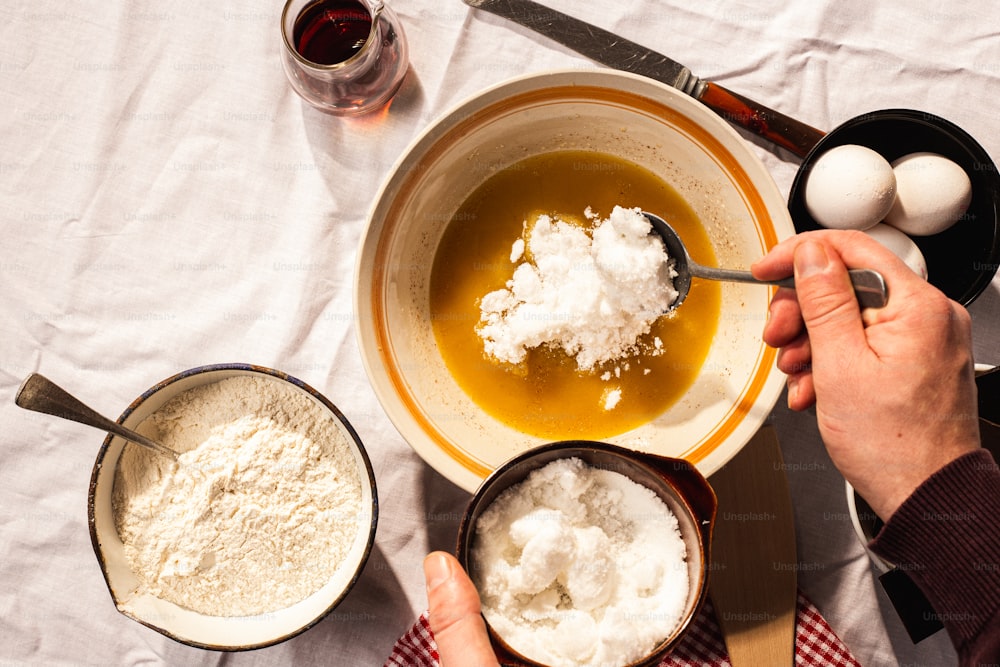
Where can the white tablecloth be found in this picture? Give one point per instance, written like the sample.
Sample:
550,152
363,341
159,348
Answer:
166,201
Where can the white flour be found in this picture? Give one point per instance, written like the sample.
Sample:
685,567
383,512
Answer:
259,512
591,294
579,566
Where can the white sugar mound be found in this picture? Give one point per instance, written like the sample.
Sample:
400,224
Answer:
580,567
591,294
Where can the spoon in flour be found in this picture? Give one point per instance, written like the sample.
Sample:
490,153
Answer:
42,395
869,286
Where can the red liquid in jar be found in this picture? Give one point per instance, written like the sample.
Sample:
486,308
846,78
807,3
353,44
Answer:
328,32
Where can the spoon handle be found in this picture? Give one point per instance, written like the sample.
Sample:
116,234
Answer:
40,394
869,286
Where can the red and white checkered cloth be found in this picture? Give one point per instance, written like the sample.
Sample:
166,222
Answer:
816,645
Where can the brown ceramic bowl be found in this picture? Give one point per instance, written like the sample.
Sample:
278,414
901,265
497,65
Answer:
678,483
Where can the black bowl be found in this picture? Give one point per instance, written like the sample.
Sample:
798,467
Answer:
962,260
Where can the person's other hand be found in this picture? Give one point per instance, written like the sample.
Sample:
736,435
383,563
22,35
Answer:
454,614
893,388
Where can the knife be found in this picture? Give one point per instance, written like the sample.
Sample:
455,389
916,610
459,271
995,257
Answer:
619,53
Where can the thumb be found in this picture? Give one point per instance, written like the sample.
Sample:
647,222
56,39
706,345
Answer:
826,298
454,616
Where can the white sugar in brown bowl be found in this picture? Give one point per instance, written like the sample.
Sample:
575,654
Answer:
589,554
629,118
260,528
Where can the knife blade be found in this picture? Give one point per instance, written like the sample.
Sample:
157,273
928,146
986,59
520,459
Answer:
619,53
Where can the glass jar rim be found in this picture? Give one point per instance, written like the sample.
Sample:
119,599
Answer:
374,11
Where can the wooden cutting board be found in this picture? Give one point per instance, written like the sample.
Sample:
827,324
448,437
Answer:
753,581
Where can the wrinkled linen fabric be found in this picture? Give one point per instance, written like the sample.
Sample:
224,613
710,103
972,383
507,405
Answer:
166,201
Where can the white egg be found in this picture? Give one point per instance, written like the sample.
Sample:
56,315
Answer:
932,193
849,187
902,246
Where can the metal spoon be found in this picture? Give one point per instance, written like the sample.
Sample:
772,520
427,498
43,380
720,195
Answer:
869,286
42,395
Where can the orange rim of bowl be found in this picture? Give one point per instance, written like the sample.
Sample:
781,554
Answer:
535,98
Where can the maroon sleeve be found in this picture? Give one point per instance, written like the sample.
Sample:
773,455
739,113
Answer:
947,537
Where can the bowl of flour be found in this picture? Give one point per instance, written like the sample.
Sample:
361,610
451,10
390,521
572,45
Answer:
586,554
259,529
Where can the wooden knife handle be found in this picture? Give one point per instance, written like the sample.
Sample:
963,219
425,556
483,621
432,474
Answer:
786,132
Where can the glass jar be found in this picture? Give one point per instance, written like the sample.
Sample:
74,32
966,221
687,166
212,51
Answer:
344,57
